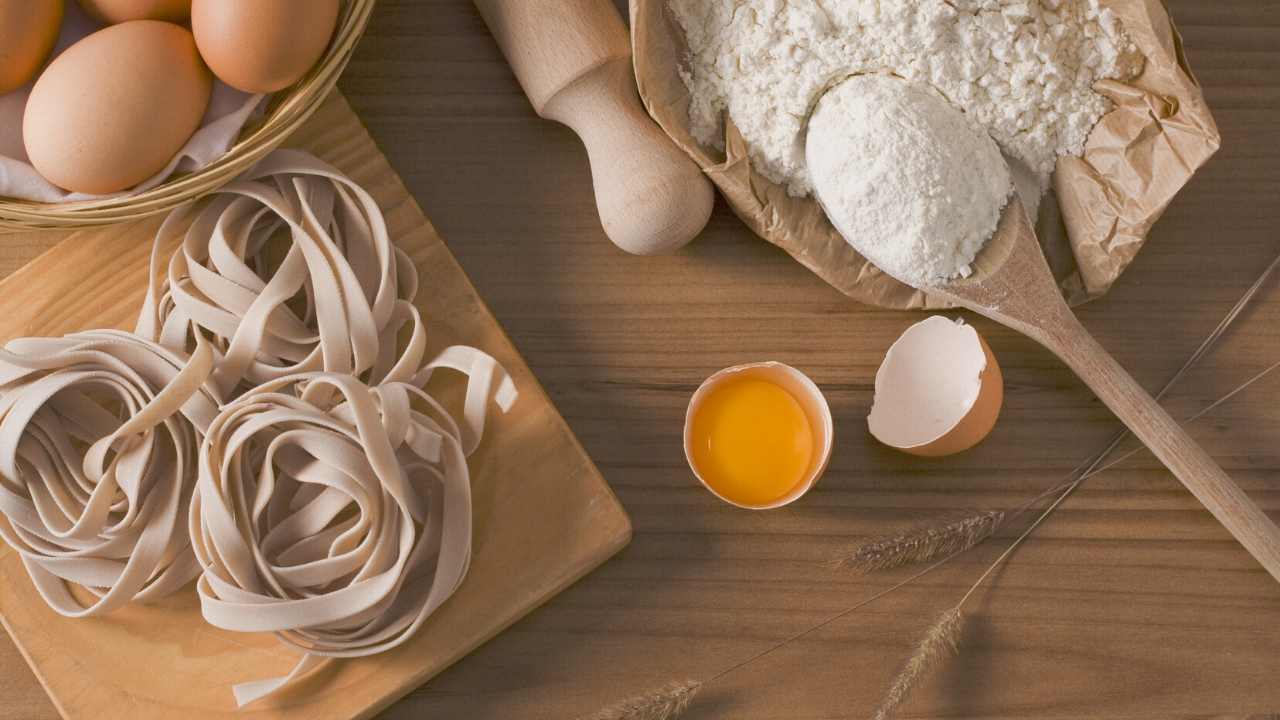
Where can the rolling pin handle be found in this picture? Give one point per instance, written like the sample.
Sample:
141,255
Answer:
651,197
573,60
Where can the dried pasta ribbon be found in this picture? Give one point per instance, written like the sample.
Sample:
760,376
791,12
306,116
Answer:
99,437
335,514
335,300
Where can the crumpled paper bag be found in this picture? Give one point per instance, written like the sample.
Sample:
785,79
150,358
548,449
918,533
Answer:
229,111
1091,227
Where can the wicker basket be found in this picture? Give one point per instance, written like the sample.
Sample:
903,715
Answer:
288,110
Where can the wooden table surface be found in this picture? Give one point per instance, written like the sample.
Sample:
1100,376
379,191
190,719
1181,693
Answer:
1131,602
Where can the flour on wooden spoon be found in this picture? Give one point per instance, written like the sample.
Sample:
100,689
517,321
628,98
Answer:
912,183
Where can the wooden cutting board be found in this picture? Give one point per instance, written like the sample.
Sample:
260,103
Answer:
544,517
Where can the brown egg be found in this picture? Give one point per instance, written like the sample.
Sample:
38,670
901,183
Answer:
262,46
28,29
118,11
113,109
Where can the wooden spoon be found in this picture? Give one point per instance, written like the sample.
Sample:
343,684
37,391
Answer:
1012,285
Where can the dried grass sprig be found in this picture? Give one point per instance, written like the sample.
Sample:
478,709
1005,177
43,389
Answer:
940,641
944,536
945,632
665,703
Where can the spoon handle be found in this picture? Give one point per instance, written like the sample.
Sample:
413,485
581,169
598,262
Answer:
1167,440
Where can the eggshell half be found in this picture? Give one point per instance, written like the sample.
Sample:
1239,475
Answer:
118,11
113,109
938,391
28,30
261,46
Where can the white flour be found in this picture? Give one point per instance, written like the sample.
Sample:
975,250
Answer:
1022,69
907,179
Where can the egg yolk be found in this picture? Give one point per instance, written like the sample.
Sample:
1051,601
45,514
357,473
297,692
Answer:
751,441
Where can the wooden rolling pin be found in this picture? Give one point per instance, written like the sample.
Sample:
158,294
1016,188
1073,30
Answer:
573,59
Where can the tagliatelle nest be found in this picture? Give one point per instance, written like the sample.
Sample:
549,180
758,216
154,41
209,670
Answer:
329,503
99,433
335,514
334,300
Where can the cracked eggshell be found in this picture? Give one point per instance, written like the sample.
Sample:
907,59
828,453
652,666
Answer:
938,391
805,392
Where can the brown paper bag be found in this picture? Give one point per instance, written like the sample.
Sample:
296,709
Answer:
1104,203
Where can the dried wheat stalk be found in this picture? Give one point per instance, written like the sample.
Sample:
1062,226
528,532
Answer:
945,536
665,703
940,641
945,633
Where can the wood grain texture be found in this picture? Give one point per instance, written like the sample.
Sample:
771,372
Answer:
542,515
1132,602
1011,284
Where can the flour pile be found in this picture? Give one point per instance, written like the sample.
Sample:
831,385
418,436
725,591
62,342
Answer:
911,182
1022,69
